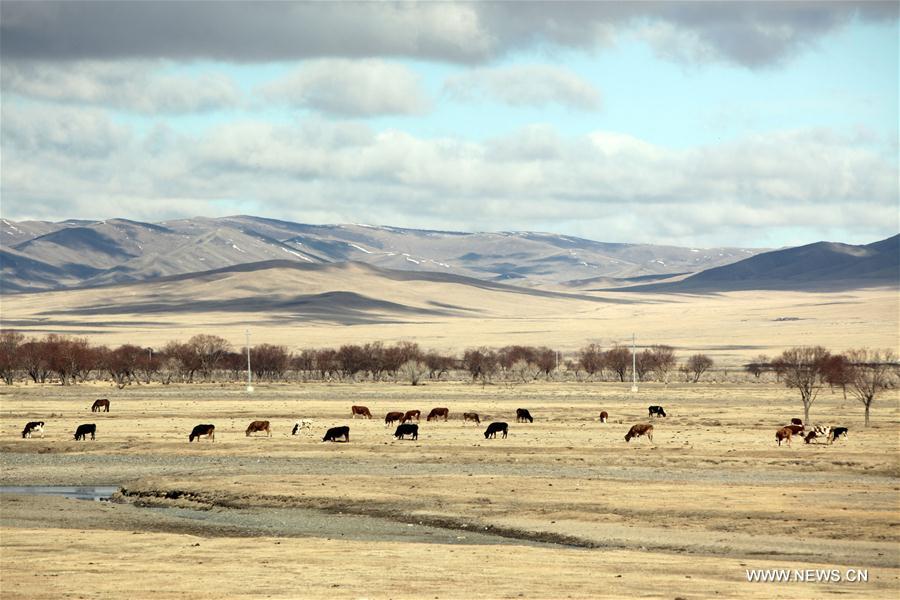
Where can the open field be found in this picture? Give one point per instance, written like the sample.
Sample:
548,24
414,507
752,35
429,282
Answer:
562,508
354,304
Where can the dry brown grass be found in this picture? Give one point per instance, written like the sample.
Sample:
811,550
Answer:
571,508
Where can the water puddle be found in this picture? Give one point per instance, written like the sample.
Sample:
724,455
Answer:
78,492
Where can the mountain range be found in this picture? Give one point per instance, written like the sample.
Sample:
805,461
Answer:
38,255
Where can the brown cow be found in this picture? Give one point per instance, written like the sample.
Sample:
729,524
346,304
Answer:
362,411
639,430
412,414
438,412
470,416
258,426
392,417
100,403
795,429
604,416
783,435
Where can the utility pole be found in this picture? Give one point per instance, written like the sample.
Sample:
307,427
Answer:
634,386
249,372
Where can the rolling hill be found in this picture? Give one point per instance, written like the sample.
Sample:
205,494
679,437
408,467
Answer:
822,266
120,250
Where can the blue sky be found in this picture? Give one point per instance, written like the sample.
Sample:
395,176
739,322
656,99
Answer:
692,124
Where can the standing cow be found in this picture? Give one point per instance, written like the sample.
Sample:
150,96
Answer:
437,413
404,429
256,426
360,411
84,430
522,415
641,429
100,404
334,433
495,428
204,429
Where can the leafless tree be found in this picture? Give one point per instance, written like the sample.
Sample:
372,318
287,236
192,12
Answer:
836,372
757,366
697,365
870,371
545,360
481,363
268,361
413,371
618,360
438,364
9,354
33,358
591,359
802,368
663,361
209,350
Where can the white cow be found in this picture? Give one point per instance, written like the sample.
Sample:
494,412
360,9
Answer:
302,425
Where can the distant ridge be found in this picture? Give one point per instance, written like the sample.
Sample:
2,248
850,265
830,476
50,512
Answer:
822,266
121,250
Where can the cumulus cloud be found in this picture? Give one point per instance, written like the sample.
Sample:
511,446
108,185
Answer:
525,85
361,88
752,34
132,86
601,185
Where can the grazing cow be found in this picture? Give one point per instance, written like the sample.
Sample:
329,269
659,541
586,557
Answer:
404,429
639,430
837,432
361,411
523,415
657,411
33,427
795,429
784,435
819,431
258,426
100,404
208,430
83,430
302,424
471,417
410,415
392,417
438,412
335,432
604,416
494,428
796,421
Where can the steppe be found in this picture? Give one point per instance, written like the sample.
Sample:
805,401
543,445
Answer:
562,508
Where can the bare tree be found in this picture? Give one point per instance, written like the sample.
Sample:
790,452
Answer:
697,365
412,371
870,371
618,360
268,361
757,366
209,350
9,354
802,368
545,360
836,372
438,364
481,363
523,371
663,361
591,359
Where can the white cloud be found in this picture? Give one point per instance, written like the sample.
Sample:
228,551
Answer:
525,85
602,185
132,86
361,88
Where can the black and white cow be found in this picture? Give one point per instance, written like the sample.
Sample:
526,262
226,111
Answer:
33,427
838,432
819,431
302,425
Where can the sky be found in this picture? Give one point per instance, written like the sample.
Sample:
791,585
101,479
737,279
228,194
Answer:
760,124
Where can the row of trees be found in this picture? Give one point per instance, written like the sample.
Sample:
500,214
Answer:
72,359
861,372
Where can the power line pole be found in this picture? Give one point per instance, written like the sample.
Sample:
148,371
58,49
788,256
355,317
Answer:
249,372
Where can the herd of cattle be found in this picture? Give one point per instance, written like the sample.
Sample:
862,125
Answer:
407,428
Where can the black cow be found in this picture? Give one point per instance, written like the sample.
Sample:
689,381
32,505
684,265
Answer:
83,430
204,429
495,427
410,429
838,432
335,432
657,411
523,415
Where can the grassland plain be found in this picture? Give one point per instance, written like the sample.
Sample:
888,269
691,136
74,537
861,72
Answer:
562,508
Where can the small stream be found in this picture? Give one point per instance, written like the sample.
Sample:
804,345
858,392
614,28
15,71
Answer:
78,492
